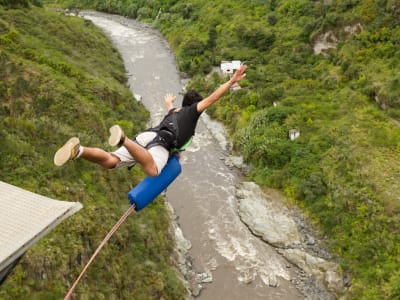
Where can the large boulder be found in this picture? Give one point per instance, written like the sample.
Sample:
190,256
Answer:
266,217
327,272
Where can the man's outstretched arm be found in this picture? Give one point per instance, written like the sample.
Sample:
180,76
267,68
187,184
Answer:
222,89
169,101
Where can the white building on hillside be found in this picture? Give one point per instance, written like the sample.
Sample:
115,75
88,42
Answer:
294,134
228,67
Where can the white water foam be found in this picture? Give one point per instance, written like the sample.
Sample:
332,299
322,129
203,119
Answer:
217,130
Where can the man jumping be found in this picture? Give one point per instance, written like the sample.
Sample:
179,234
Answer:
151,148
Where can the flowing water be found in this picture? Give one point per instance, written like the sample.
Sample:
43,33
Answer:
241,266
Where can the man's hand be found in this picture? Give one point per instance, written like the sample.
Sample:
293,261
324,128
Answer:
219,92
169,101
239,74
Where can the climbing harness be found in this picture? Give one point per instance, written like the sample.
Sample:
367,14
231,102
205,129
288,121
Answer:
164,138
108,236
167,132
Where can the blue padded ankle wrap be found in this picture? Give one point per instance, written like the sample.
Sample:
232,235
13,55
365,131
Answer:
150,187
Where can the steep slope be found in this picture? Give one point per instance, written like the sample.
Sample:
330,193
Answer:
60,77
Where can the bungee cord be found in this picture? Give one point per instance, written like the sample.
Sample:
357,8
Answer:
105,240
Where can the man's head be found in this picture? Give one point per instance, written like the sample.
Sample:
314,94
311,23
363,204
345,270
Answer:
191,97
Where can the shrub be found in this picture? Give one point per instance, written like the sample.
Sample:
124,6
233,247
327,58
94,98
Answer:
256,36
14,3
272,19
193,47
312,187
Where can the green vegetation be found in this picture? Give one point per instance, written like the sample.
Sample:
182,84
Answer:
343,169
60,77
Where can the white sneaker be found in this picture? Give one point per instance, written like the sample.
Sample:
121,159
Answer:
117,136
69,151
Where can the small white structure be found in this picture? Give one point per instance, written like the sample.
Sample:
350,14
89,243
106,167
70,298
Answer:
294,134
228,67
25,218
137,97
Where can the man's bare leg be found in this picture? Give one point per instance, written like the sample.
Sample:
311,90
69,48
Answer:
101,157
142,156
109,161
72,149
139,153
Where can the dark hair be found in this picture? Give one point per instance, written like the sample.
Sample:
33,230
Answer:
191,97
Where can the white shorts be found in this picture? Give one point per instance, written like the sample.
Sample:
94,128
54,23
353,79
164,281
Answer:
159,153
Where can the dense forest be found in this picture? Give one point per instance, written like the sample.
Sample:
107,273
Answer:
61,77
343,169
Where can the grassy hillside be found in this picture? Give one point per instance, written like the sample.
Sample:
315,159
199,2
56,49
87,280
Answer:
60,77
344,168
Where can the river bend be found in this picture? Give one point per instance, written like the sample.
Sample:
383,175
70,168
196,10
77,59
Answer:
238,264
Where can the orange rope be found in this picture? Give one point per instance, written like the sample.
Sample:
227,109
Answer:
108,236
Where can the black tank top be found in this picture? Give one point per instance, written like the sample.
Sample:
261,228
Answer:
187,118
182,122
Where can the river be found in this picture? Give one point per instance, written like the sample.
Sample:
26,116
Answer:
238,265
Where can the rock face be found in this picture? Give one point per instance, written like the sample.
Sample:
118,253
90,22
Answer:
182,246
265,217
320,269
191,279
325,41
329,40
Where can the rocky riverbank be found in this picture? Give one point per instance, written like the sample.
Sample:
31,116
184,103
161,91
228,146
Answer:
269,218
193,280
